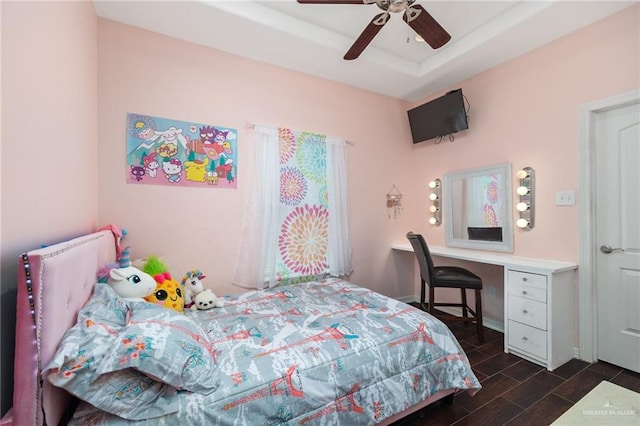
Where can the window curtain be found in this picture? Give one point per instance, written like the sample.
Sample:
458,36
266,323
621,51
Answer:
339,246
257,248
281,210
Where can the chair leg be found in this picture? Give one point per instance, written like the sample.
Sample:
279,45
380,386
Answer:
432,300
479,316
422,283
463,296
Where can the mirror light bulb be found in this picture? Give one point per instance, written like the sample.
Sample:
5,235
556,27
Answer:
522,223
433,184
522,174
433,209
433,221
522,190
522,207
433,196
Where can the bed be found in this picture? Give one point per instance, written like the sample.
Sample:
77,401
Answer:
323,352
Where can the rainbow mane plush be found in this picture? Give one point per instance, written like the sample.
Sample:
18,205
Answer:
192,286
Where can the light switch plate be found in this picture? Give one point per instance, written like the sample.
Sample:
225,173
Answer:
566,198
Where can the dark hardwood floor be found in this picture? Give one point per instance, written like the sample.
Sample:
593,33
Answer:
515,391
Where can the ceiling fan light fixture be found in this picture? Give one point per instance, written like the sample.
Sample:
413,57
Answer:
414,15
396,6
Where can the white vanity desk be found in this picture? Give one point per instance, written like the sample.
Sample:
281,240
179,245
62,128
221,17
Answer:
538,306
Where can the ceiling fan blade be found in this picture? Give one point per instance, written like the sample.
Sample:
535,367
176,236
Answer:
332,1
426,26
367,35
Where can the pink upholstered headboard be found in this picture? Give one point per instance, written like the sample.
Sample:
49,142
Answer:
61,278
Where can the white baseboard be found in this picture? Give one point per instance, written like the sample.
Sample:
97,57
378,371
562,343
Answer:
487,322
407,299
452,310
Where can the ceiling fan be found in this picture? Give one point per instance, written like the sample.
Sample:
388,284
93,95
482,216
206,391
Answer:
414,15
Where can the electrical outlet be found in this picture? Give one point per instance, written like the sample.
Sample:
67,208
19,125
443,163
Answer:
566,198
493,292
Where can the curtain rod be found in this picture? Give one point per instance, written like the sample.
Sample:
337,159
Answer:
250,125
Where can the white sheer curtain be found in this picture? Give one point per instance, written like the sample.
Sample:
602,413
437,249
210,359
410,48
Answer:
259,240
257,260
339,246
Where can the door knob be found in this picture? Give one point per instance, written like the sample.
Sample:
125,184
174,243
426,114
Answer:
605,248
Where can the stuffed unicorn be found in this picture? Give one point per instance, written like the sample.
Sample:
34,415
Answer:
192,284
130,283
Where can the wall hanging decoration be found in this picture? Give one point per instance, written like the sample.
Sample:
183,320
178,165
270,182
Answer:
162,151
394,202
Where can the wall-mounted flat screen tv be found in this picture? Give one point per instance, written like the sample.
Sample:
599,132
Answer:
438,118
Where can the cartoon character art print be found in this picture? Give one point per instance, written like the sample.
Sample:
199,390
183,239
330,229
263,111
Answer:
162,151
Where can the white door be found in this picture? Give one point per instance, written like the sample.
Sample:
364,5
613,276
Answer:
617,177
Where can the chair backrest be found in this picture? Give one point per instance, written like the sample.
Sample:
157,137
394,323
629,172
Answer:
423,256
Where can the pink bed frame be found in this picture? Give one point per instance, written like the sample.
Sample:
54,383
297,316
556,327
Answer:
59,280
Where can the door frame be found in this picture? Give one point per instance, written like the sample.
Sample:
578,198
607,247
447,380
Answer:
588,314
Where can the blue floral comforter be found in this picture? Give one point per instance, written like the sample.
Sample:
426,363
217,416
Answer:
320,353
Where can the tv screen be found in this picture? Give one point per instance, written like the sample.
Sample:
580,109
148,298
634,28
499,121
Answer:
439,117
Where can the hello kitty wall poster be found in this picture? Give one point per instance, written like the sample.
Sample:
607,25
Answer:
162,151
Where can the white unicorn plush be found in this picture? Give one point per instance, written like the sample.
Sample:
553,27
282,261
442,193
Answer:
192,285
129,282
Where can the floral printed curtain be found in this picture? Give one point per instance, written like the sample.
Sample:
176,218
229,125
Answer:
299,210
304,210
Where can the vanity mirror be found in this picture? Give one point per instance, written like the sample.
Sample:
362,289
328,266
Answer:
478,210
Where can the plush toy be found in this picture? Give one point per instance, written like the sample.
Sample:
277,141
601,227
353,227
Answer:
192,286
207,299
168,292
103,273
130,283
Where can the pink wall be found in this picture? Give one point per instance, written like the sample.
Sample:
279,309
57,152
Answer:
147,73
49,138
525,112
49,132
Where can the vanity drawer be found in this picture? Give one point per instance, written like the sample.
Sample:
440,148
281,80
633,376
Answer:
527,285
529,312
528,339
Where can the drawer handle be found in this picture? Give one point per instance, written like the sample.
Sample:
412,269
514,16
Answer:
524,338
524,279
524,292
524,311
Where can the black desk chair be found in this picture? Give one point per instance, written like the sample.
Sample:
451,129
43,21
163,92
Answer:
449,277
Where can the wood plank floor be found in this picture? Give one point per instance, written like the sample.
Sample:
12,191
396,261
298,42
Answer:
515,391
